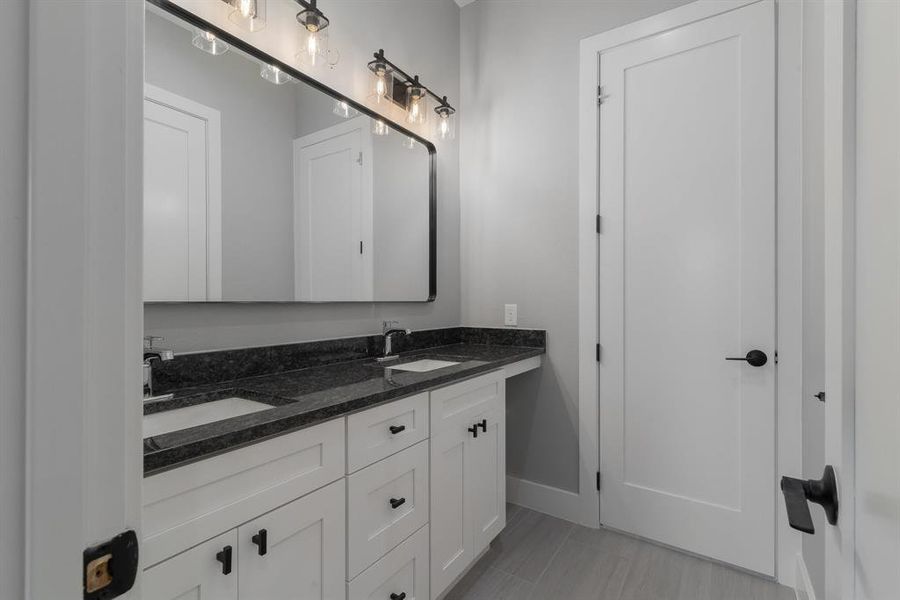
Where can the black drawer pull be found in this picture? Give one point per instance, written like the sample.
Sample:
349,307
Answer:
401,596
397,503
483,425
224,557
395,429
473,430
261,539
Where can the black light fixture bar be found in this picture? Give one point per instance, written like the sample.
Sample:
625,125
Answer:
409,80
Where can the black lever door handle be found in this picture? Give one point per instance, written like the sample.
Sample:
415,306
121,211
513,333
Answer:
798,492
755,358
224,557
397,503
473,430
261,540
400,596
395,429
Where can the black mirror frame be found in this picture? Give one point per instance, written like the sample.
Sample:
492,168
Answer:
247,48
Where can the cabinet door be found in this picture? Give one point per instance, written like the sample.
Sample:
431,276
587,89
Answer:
451,531
296,551
487,476
196,574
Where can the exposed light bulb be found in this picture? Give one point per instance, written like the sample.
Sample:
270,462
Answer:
312,46
380,86
247,8
444,129
415,110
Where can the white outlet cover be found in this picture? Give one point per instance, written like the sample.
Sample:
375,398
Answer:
511,315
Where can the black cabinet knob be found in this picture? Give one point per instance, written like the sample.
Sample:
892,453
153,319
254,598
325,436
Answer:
754,358
224,557
395,429
400,596
397,502
261,540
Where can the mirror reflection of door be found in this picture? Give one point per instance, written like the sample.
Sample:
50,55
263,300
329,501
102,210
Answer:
333,213
182,199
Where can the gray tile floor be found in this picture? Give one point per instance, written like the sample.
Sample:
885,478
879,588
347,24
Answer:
541,557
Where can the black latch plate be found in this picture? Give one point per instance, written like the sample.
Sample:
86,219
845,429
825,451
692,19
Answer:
122,565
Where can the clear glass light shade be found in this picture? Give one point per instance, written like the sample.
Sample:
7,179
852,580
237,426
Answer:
249,15
445,123
209,43
409,143
382,83
313,43
343,109
379,127
416,105
273,74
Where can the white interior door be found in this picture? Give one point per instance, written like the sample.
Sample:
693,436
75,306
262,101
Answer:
687,278
333,213
182,203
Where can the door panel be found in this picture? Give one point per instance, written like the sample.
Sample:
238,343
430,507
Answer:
687,278
195,574
488,477
451,536
305,549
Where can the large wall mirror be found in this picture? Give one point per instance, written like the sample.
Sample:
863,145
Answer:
261,185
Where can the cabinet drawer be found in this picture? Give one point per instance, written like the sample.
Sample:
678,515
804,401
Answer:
455,404
189,504
379,432
205,571
404,570
386,503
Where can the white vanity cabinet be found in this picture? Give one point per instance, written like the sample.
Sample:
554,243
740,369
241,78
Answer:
205,572
468,474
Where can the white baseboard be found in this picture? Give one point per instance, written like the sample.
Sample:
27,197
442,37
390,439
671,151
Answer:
546,499
804,589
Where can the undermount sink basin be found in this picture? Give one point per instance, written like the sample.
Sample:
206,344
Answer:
424,365
200,414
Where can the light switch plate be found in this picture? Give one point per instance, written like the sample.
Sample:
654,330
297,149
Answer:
511,315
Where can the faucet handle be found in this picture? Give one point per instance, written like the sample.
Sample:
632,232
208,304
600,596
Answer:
149,340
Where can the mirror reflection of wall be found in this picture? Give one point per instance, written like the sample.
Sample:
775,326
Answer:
256,191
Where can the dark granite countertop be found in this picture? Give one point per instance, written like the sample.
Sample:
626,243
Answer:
306,397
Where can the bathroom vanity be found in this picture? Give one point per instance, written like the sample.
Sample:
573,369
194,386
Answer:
357,479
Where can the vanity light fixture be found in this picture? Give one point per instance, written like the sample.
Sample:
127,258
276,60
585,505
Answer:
342,108
209,43
248,14
389,81
314,35
379,127
273,74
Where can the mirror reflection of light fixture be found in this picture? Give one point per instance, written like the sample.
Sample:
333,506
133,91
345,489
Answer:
273,74
379,127
314,49
416,102
342,108
248,14
209,43
445,124
382,79
409,142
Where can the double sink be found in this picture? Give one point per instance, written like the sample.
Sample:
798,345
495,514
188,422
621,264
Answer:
177,419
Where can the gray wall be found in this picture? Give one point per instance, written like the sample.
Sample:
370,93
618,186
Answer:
519,198
813,276
423,37
258,121
13,207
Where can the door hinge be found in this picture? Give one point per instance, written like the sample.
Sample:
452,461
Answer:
598,352
600,95
598,223
598,481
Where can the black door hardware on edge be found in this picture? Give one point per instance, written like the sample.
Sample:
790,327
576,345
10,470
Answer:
400,596
754,358
395,429
473,430
821,491
483,425
820,396
224,557
397,503
261,540
110,567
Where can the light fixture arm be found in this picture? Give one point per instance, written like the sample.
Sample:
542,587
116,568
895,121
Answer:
409,80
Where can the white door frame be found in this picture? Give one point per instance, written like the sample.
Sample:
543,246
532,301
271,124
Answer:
789,202
840,287
84,464
213,231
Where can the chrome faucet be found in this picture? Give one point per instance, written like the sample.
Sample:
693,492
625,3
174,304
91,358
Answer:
151,355
389,329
